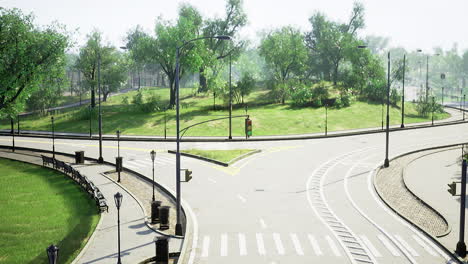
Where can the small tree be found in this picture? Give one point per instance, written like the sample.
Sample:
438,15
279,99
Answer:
243,87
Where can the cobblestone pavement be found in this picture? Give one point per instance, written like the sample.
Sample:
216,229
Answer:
391,187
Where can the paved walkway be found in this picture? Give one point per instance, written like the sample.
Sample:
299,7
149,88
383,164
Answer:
136,237
420,192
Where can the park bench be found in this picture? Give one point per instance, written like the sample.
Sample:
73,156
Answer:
100,200
47,160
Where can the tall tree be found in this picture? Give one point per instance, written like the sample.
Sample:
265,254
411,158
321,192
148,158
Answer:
113,74
328,40
137,52
28,53
169,35
285,55
235,18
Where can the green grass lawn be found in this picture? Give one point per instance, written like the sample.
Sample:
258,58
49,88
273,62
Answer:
39,207
219,155
268,118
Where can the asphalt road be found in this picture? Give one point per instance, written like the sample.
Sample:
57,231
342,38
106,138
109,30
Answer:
302,201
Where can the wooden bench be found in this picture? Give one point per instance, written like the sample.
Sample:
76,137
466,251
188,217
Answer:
100,200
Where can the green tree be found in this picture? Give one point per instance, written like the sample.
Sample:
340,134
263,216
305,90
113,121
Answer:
244,87
88,62
329,41
28,54
114,74
234,19
285,56
137,51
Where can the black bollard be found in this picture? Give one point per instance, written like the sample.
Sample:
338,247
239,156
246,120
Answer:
155,211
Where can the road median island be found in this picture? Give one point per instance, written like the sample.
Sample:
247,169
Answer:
219,157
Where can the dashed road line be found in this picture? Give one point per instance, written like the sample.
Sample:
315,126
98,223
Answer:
389,245
241,198
242,245
297,244
260,244
407,246
425,246
206,246
278,243
333,246
371,247
224,245
315,245
262,223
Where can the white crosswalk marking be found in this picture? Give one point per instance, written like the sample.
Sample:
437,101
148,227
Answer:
315,245
333,246
297,244
206,246
407,246
278,243
425,246
371,247
242,245
224,246
389,245
260,244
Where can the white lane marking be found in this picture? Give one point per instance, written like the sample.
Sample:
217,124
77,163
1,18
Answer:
297,244
407,246
315,245
278,243
241,198
371,247
141,162
224,248
194,229
211,180
425,246
333,246
389,246
206,246
262,223
260,244
242,245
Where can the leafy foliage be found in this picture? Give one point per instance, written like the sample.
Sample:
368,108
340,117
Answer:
28,54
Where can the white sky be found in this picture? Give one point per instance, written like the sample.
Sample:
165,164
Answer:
409,23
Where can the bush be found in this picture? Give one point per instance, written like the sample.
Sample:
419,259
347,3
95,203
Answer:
301,96
152,104
138,99
84,112
125,100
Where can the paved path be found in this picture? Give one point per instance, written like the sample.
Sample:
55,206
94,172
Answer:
439,214
136,237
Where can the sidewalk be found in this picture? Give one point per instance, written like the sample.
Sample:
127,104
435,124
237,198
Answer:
137,239
415,186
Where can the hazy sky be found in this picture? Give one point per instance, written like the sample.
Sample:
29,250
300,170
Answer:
409,23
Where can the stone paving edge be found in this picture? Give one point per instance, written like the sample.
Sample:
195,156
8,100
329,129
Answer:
379,167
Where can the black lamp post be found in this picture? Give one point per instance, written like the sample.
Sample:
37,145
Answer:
100,159
433,108
118,202
230,92
326,119
387,162
53,137
178,227
90,121
52,254
12,134
461,246
427,73
403,95
118,160
118,143
464,96
153,156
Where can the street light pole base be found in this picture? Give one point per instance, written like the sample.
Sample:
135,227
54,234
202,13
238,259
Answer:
461,249
229,137
402,126
386,163
100,160
178,229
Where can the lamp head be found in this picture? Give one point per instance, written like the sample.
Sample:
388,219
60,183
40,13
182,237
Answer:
52,254
362,46
118,199
118,133
153,155
222,37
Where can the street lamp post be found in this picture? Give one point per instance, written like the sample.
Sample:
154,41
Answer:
53,137
100,159
178,227
464,96
230,91
403,95
12,134
433,108
118,143
153,156
386,162
90,121
461,246
118,160
326,119
52,254
118,202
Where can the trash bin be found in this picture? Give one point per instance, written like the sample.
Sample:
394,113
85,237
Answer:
155,211
164,217
162,250
79,157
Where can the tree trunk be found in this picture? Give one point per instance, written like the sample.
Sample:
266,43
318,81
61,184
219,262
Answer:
105,95
172,97
335,75
93,98
202,81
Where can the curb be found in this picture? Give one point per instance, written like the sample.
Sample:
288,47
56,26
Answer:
217,161
440,245
234,160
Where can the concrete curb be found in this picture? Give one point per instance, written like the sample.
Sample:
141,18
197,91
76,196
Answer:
378,168
93,234
234,160
200,158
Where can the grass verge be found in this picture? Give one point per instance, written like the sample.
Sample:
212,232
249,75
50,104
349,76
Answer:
219,155
41,207
268,118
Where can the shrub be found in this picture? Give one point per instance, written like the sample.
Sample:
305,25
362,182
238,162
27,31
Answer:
125,100
300,96
138,99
